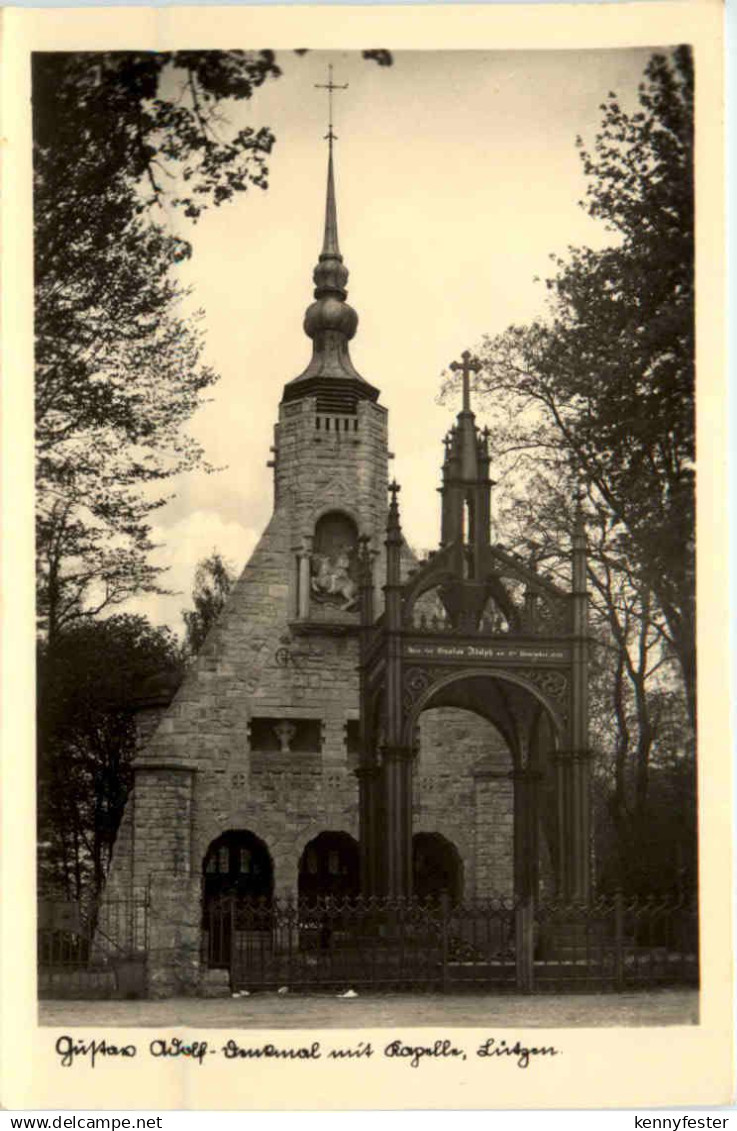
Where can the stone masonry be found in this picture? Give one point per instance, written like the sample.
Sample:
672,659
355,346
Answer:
260,736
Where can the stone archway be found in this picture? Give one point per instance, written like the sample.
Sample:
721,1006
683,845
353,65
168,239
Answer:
329,866
238,863
437,868
237,868
499,638
513,799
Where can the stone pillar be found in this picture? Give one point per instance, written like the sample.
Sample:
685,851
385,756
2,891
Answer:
561,762
581,838
368,782
174,935
579,814
574,824
397,773
368,770
164,869
397,758
304,558
526,826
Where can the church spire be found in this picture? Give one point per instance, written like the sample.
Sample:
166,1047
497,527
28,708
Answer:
330,242
330,322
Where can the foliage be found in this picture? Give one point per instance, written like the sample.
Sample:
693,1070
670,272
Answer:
603,389
599,396
123,142
87,684
119,371
212,583
639,729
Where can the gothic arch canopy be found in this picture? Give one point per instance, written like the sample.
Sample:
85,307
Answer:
499,639
424,685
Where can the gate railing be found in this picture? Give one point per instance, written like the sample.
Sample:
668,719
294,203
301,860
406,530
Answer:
73,938
612,943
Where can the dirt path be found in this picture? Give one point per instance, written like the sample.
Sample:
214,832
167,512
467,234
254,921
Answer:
303,1011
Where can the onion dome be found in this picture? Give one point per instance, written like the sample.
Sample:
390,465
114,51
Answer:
331,323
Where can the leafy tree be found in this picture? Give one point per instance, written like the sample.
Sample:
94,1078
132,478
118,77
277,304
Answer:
604,386
87,684
122,142
213,581
639,731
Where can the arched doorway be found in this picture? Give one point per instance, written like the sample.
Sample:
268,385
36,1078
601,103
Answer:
520,798
237,870
330,866
436,867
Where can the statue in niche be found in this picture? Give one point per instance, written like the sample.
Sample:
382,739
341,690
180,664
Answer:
333,579
285,732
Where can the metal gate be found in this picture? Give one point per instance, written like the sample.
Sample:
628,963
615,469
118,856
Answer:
484,945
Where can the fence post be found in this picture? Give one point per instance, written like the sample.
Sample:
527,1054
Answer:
619,939
233,966
444,913
524,915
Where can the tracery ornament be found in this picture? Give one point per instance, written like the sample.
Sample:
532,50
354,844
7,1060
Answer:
554,684
417,681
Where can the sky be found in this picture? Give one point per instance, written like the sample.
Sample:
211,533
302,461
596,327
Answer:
457,177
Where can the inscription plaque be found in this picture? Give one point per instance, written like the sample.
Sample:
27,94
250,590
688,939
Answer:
520,653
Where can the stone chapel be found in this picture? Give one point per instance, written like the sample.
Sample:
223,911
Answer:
245,781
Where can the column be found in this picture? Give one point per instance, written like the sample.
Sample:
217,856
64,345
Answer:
304,557
398,812
368,785
526,820
578,763
397,758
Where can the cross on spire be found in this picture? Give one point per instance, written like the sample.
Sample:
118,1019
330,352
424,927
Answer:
467,365
330,86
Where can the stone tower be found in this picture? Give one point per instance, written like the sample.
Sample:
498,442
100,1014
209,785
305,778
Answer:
246,781
246,777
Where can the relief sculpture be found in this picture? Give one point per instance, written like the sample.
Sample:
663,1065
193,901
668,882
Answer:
331,580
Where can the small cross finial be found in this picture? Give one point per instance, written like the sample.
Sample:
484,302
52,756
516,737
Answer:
330,86
394,490
467,365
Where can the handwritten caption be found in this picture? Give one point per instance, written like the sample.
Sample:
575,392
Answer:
71,1051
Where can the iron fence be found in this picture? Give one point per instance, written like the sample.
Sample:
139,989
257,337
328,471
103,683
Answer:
487,945
93,951
493,945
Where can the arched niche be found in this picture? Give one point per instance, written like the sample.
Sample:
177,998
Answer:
333,564
437,868
329,866
238,863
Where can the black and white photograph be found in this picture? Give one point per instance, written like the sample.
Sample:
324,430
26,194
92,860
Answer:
365,536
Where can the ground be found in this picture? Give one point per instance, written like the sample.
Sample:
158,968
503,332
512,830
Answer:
326,1011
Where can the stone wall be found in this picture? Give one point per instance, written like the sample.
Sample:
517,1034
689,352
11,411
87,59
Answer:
463,790
197,776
